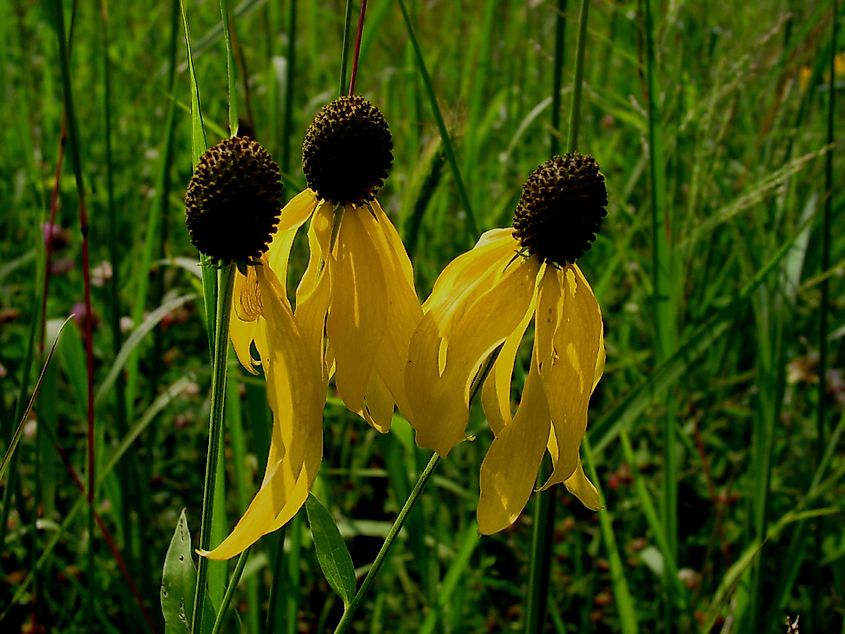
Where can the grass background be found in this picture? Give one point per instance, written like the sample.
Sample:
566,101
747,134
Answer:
713,438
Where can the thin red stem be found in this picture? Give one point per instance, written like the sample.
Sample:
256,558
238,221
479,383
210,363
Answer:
358,35
88,325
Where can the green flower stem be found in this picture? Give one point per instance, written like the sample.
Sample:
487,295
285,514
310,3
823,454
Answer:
399,522
225,280
346,620
544,504
344,55
230,591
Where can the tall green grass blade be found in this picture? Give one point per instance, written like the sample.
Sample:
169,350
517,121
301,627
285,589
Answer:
472,225
621,592
231,69
290,82
824,307
199,143
664,310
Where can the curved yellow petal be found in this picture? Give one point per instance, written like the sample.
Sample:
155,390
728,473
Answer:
472,328
496,392
296,395
397,247
470,271
358,309
580,486
314,291
569,372
292,217
403,307
510,467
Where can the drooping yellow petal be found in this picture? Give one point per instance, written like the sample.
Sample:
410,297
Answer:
397,247
475,326
403,307
358,310
296,395
292,217
510,467
496,392
569,373
314,291
580,486
469,272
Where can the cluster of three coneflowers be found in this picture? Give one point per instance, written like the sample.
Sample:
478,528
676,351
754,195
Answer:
357,318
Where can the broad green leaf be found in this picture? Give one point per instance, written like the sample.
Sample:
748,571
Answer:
178,581
332,555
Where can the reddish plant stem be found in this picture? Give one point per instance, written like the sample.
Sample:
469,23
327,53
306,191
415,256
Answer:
107,536
48,244
357,54
88,325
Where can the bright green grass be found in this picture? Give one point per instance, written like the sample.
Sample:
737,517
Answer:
709,271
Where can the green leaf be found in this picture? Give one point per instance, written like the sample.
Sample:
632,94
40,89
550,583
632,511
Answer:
332,555
178,581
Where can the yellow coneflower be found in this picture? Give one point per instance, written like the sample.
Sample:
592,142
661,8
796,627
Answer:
487,297
232,207
356,302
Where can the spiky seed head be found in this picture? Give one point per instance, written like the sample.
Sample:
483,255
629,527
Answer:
561,208
348,151
233,200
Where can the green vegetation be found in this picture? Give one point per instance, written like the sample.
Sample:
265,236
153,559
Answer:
715,435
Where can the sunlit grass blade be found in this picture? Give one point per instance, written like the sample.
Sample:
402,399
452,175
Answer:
621,592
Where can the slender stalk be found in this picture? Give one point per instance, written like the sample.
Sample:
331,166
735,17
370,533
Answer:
663,302
230,591
230,69
816,623
577,82
354,75
472,225
344,55
346,620
557,76
287,120
384,551
225,281
544,504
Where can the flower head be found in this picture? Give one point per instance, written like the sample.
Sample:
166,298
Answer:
356,303
485,299
233,205
356,309
347,152
233,200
